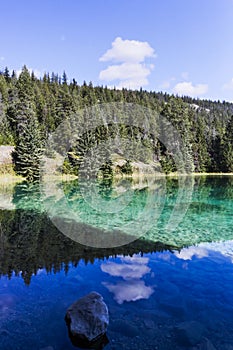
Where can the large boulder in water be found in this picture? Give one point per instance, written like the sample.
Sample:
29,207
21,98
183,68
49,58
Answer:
88,318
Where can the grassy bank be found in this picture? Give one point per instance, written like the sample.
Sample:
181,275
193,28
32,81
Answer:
7,175
10,178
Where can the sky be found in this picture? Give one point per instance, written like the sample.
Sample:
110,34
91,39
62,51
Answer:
183,47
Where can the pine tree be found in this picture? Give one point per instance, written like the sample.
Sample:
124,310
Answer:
64,78
228,147
7,75
205,129
26,98
28,151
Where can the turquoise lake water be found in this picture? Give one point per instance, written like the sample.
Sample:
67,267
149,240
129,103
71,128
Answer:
160,251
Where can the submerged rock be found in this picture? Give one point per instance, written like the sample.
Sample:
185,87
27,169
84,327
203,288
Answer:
88,318
206,345
124,328
189,333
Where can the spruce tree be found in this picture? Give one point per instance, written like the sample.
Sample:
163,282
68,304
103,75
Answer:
28,151
227,147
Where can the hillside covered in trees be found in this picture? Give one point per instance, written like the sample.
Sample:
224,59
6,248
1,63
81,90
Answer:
31,109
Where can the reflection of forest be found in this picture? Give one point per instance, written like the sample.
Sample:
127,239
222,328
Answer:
29,241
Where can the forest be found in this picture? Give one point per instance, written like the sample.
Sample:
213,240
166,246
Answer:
31,109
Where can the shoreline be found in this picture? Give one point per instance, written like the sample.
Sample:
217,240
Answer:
10,178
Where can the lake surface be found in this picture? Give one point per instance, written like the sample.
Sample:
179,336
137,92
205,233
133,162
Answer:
167,278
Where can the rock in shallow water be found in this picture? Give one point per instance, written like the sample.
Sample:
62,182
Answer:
88,317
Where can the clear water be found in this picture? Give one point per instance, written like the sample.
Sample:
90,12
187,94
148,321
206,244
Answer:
180,270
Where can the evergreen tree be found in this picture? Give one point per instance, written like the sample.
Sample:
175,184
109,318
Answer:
26,98
204,126
28,151
7,75
227,148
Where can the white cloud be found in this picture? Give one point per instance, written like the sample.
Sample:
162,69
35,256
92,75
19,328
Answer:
126,271
225,248
229,85
128,51
135,259
131,269
131,75
188,253
187,88
203,250
131,71
129,291
2,58
125,71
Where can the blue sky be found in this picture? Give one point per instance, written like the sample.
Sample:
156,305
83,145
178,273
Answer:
178,46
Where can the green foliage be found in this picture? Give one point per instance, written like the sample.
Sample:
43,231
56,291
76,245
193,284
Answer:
31,109
227,147
127,168
28,151
6,169
106,171
68,168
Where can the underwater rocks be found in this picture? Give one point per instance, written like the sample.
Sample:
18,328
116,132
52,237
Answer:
205,345
189,333
87,318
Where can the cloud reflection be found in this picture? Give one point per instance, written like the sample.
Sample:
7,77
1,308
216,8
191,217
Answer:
135,259
131,270
129,290
189,253
126,271
203,250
